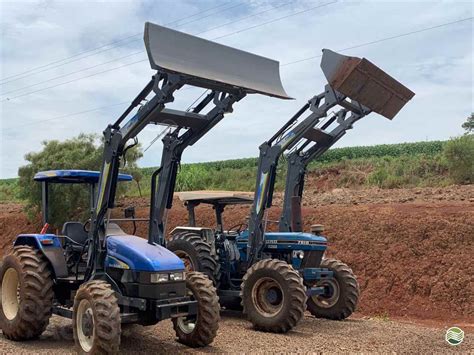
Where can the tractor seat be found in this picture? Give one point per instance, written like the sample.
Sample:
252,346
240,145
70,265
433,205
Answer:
76,232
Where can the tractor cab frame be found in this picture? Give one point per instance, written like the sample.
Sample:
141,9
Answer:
85,177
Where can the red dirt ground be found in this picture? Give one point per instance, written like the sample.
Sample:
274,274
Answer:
411,249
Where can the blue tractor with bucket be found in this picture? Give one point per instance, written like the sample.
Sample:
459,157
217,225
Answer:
94,272
276,276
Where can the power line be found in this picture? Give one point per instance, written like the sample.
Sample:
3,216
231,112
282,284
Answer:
122,42
383,40
139,52
72,73
290,63
246,17
67,115
144,60
277,19
60,65
108,44
71,81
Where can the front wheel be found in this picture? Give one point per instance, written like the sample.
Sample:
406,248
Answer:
273,296
201,329
26,293
342,292
96,319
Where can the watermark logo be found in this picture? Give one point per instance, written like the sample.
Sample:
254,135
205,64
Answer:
454,336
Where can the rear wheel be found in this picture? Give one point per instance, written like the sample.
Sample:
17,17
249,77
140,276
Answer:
26,294
273,296
96,319
342,292
194,252
201,329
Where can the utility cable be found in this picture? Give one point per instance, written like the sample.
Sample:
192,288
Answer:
286,64
383,40
144,60
106,45
132,54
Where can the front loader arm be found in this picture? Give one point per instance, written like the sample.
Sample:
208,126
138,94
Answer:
298,160
115,140
173,146
287,137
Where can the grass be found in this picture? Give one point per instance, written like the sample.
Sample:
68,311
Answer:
386,166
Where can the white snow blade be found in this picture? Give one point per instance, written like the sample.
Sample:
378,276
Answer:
211,65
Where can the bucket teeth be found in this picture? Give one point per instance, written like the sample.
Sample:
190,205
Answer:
364,82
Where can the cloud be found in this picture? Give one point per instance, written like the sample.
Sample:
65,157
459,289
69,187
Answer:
436,64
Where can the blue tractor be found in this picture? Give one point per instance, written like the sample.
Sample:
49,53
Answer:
95,273
275,276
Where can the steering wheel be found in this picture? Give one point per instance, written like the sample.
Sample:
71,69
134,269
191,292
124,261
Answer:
238,227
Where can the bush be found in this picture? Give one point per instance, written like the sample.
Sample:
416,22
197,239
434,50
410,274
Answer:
66,202
459,155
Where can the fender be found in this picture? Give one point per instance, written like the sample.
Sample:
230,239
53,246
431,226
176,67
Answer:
50,246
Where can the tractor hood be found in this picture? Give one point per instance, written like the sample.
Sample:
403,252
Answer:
295,240
139,255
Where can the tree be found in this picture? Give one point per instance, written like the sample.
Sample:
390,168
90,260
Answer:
67,202
469,124
459,154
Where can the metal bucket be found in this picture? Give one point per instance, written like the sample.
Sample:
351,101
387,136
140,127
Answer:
212,64
364,82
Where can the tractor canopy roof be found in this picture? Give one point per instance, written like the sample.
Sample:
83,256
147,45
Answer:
216,197
74,176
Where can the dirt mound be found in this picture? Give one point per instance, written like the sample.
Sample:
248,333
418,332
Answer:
13,221
411,251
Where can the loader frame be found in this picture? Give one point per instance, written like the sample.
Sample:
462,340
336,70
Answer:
287,138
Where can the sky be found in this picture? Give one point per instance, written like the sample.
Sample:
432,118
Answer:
46,46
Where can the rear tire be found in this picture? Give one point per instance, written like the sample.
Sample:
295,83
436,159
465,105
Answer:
273,296
200,330
96,319
26,294
342,303
195,253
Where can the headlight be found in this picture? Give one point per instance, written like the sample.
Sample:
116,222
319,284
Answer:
298,254
165,277
155,278
177,276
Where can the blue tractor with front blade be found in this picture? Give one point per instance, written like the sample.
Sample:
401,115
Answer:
275,276
94,272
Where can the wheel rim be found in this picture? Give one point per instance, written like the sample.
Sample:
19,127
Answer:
186,324
85,325
268,297
10,294
188,264
330,298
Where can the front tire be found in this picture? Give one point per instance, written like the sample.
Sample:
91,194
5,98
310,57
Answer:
96,319
26,294
273,296
200,330
194,252
343,295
